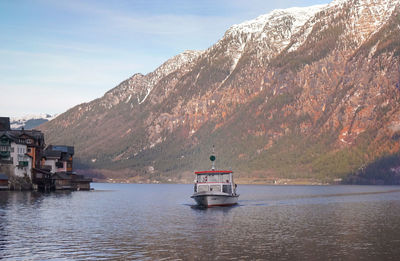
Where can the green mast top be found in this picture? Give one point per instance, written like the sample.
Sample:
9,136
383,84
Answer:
212,158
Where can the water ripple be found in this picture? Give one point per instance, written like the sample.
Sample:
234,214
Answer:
160,222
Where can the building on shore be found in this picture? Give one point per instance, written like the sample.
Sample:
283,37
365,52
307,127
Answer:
28,165
20,153
58,160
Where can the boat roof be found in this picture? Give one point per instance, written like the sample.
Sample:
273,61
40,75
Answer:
214,172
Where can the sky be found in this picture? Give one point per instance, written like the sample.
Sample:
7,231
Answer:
55,54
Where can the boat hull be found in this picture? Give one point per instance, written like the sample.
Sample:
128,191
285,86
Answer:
210,200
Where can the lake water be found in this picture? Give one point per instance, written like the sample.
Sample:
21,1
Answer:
160,222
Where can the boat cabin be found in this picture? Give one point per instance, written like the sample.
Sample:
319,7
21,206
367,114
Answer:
214,181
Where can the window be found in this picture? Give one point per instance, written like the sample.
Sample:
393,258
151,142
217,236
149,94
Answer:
215,188
213,178
227,189
59,164
202,178
22,158
29,150
202,188
226,178
4,148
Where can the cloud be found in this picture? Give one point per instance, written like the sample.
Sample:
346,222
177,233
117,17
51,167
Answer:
105,19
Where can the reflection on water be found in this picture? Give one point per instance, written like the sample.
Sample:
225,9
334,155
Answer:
153,222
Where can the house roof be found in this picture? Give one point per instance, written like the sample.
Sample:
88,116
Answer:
9,135
15,135
3,176
81,178
61,175
62,148
52,154
43,170
60,152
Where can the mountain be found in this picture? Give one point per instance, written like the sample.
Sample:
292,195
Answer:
29,122
302,93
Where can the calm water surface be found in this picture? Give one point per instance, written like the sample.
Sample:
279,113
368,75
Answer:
160,222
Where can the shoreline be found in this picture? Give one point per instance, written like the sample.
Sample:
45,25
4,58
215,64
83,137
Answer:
278,182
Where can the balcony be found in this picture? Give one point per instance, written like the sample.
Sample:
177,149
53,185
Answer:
4,154
6,161
22,164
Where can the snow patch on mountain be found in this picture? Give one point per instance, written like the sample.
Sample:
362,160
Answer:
138,87
267,35
366,17
30,121
299,14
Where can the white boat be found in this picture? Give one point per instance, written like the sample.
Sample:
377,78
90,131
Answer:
215,188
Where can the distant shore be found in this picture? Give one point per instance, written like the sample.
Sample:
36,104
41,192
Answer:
238,181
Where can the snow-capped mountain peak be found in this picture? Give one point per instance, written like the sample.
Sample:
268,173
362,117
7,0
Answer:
300,16
30,121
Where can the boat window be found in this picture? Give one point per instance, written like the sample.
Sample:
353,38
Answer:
215,188
223,178
227,189
202,178
202,188
226,178
213,178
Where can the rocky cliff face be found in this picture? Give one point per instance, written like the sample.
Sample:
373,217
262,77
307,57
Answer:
297,93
